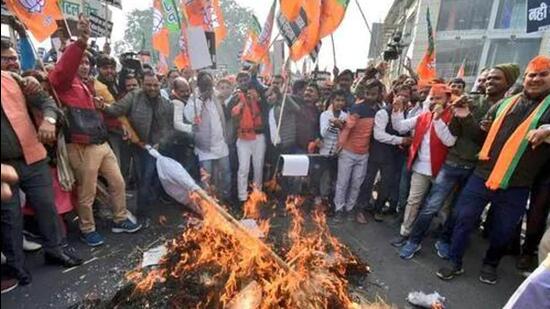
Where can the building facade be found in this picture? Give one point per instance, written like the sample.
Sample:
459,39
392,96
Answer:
478,33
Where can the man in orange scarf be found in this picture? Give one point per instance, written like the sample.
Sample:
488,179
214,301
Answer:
516,146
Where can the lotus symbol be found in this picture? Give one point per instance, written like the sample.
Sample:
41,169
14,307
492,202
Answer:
33,6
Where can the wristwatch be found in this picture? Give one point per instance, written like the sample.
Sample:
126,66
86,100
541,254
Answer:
50,120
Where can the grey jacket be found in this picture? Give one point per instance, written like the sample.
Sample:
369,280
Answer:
145,114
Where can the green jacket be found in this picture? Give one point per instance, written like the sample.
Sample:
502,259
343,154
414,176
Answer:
469,135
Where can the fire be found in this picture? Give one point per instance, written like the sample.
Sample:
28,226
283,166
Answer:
235,270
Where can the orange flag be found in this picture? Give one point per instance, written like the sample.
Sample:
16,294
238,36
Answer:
161,41
291,8
207,14
332,14
162,65
217,22
38,16
460,73
196,14
309,38
426,67
182,59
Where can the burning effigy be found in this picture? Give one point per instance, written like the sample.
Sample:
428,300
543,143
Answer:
218,263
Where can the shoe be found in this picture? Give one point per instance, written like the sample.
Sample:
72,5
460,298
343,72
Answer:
92,239
442,248
30,246
399,241
126,226
488,274
360,218
63,258
408,250
449,272
9,284
524,262
349,216
378,217
338,217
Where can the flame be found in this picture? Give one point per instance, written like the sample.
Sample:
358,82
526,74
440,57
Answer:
227,260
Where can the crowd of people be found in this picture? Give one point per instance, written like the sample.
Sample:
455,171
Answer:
410,149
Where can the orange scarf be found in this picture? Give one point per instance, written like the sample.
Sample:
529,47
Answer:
515,146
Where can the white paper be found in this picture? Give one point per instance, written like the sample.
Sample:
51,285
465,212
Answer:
198,48
152,256
295,165
252,227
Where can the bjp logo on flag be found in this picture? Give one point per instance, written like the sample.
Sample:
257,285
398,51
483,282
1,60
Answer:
33,6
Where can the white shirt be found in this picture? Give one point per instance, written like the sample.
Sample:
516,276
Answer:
179,123
218,147
422,164
381,120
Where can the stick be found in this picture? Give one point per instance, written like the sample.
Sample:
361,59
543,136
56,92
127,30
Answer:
237,225
366,23
285,90
333,49
270,45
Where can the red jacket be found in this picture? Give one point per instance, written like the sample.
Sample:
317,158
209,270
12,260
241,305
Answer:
85,122
438,151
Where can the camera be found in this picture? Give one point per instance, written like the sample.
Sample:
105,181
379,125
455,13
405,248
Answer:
394,47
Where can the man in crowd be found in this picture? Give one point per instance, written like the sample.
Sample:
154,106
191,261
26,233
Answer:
462,157
22,149
307,124
384,158
250,125
206,114
151,117
458,86
517,144
344,80
131,82
169,83
278,81
428,150
89,153
183,147
355,141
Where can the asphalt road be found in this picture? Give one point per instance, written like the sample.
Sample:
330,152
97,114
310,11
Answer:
392,278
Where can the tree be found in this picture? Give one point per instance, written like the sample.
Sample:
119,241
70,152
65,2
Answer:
139,27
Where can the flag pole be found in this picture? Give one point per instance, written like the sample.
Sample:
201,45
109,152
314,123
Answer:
285,90
366,23
269,47
333,49
65,20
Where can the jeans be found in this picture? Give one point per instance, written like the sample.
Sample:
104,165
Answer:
36,182
352,169
121,149
220,173
149,187
508,208
447,179
247,150
404,186
387,178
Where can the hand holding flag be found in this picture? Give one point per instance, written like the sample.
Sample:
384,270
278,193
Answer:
83,29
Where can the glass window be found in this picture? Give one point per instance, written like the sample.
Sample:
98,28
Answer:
511,14
464,15
451,54
513,51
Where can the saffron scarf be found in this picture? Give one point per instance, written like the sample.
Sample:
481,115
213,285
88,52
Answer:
515,146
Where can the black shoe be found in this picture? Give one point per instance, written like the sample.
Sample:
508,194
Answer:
525,262
449,272
488,274
338,217
63,258
399,241
378,217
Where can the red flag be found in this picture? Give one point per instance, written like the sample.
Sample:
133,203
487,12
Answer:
38,16
426,67
161,41
460,73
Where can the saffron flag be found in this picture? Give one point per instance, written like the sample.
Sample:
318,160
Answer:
290,9
460,73
426,67
332,14
162,65
208,15
38,16
182,59
172,20
161,41
251,40
302,33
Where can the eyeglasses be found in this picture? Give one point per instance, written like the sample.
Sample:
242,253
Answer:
9,58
